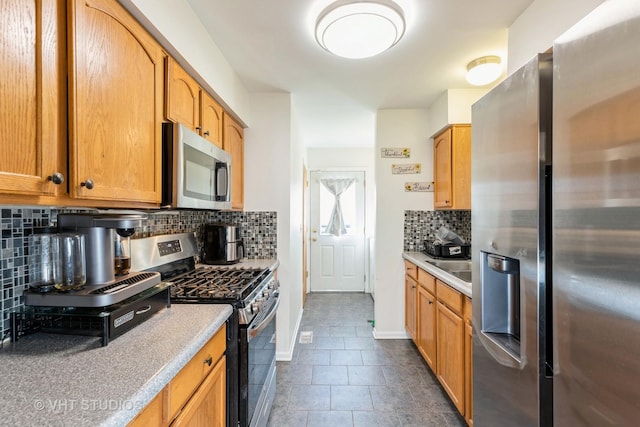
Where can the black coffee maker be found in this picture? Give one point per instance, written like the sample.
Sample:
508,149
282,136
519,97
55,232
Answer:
223,244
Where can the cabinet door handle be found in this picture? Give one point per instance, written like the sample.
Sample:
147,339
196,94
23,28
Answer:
57,178
206,133
198,128
430,302
209,361
88,183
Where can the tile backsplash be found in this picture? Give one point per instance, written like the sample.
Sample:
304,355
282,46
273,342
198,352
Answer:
259,231
422,225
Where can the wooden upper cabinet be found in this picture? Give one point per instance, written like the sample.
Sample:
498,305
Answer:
32,97
233,142
452,168
210,119
183,96
187,103
115,95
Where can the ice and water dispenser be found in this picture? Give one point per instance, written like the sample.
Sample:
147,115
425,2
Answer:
500,276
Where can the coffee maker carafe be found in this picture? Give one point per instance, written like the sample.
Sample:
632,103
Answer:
98,230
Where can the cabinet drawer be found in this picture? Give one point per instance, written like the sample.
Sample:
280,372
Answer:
427,281
450,297
411,270
468,311
151,415
191,376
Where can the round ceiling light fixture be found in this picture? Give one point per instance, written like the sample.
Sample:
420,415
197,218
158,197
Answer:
484,70
360,29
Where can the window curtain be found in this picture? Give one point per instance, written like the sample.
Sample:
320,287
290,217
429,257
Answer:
336,225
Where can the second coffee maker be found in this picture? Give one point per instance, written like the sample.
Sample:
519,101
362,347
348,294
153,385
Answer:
223,244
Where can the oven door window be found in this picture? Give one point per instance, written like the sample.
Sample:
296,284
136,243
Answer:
198,174
262,352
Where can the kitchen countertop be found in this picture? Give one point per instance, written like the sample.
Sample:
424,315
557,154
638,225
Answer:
270,263
420,259
66,380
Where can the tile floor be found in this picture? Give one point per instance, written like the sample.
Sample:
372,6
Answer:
345,377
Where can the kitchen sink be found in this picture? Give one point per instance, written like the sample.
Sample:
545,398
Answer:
450,265
458,268
464,275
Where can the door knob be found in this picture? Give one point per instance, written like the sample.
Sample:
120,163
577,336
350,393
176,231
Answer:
314,230
313,239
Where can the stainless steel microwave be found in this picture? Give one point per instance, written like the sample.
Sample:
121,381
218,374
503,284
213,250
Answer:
196,174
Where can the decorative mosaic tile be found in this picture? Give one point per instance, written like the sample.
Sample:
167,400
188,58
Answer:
422,225
17,223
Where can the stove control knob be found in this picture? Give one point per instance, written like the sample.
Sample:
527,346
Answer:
266,293
255,308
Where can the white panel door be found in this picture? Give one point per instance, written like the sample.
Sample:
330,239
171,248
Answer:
336,262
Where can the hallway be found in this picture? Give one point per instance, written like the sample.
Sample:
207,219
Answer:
344,377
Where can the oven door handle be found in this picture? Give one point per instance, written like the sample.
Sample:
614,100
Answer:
255,331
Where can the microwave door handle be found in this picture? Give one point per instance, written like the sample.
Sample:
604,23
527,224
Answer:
228,179
216,182
226,168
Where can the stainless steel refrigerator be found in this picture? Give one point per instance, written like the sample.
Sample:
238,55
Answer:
556,232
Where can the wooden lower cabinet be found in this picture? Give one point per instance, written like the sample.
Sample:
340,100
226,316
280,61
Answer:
207,406
450,359
468,375
438,319
196,396
411,292
152,414
468,363
427,326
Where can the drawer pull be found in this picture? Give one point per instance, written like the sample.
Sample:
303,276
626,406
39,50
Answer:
209,361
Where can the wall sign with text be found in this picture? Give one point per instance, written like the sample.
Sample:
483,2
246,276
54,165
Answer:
409,168
396,152
418,186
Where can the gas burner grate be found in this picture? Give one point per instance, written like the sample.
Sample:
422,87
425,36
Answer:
217,283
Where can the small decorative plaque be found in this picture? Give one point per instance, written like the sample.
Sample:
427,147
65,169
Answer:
406,169
418,186
396,152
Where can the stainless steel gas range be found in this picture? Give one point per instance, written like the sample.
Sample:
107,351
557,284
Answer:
252,289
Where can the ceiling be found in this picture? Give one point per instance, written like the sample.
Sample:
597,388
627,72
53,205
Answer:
272,47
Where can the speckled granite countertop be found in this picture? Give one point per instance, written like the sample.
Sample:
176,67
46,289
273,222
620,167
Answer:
419,259
271,264
64,380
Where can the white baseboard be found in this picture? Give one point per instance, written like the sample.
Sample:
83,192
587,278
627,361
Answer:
398,335
288,355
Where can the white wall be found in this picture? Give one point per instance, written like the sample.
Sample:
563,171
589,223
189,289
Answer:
397,128
177,27
453,107
273,182
535,30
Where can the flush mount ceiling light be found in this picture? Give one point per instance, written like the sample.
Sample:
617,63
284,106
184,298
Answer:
360,29
484,70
